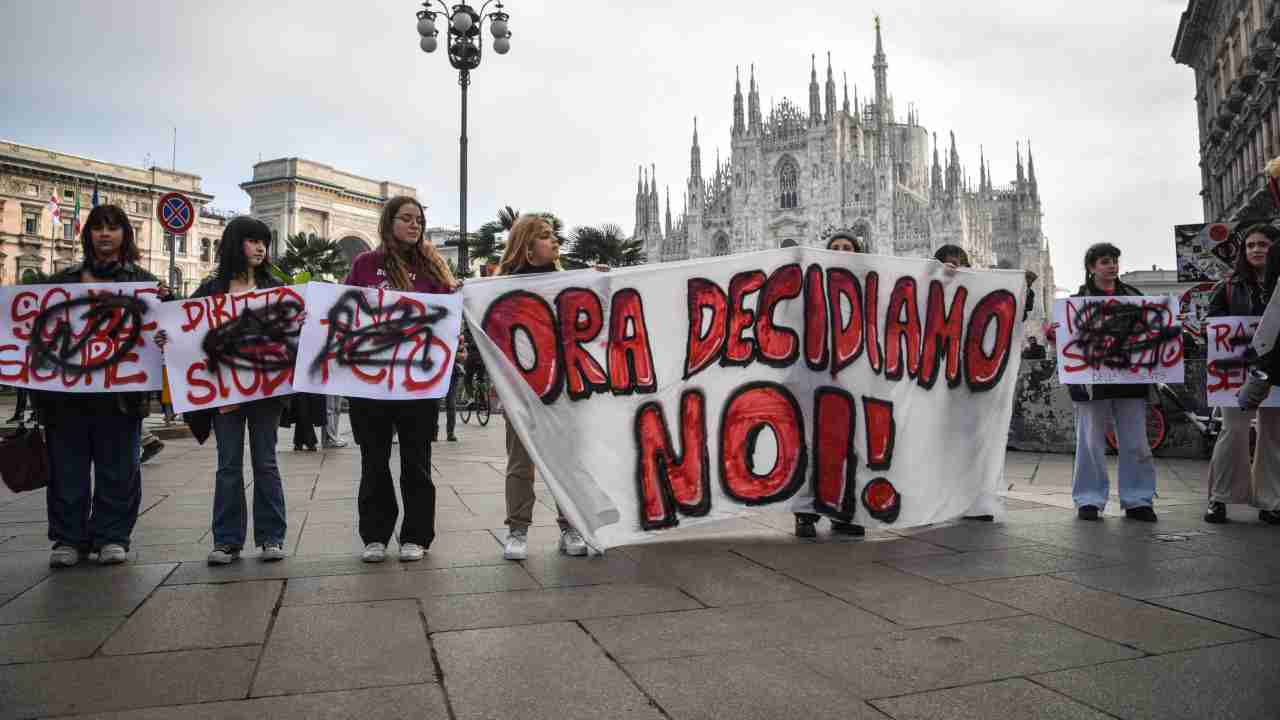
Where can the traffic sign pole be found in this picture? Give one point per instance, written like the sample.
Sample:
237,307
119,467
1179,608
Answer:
176,214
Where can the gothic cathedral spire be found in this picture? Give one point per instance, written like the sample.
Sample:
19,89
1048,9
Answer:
881,68
695,155
831,93
1031,173
739,127
753,105
846,93
935,184
815,109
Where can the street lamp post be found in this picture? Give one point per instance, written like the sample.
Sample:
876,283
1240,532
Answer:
464,49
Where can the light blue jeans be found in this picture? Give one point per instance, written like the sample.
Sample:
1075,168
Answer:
1089,482
230,515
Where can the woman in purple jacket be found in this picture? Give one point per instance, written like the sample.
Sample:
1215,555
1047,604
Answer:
406,261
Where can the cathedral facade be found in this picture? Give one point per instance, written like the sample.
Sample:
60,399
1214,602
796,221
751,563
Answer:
856,168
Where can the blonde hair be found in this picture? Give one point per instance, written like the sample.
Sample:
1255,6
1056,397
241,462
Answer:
397,261
524,232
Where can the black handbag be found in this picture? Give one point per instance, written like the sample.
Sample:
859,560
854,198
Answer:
24,459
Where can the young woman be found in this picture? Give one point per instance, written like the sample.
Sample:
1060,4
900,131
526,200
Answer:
96,434
405,260
532,248
242,266
1231,480
1095,404
806,523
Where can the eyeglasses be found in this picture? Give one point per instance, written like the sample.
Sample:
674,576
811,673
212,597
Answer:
410,219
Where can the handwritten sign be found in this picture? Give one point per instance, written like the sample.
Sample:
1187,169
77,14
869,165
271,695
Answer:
872,389
231,348
82,337
377,343
1118,340
1227,340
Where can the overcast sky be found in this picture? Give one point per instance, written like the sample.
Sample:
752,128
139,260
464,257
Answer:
591,89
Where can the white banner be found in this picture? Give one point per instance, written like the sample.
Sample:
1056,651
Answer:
231,348
81,337
874,389
1123,339
376,343
1227,339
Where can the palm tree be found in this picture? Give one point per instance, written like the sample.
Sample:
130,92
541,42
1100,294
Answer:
602,245
484,245
322,258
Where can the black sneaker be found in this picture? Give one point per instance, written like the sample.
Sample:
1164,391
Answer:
847,528
981,518
453,438
1270,517
1087,512
1217,513
150,450
1144,513
805,527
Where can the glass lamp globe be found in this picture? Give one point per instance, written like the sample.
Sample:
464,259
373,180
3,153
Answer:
502,45
428,43
498,28
426,27
462,21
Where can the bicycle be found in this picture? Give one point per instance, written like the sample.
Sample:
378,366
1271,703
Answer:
476,398
1207,421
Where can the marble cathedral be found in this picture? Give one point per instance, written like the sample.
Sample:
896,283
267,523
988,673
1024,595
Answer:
802,176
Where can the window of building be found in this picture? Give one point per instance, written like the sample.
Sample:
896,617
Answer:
69,230
788,183
137,206
181,244
206,249
69,195
31,222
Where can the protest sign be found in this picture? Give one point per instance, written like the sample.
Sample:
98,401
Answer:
377,343
1206,251
1129,339
872,389
231,348
80,337
1227,341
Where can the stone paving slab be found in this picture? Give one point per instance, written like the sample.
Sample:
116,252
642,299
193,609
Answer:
1172,577
737,628
100,684
464,612
1114,617
898,663
908,600
50,641
522,672
763,685
424,583
246,570
831,557
85,591
1243,608
1015,699
425,702
718,579
349,646
990,564
198,616
1235,682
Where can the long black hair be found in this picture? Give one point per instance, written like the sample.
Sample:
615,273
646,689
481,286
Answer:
109,216
1242,268
232,262
1273,270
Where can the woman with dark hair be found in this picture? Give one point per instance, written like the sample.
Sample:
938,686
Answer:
242,267
952,256
1094,405
405,260
1250,286
96,434
807,523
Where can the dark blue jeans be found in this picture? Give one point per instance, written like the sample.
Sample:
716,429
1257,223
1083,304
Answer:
230,516
109,445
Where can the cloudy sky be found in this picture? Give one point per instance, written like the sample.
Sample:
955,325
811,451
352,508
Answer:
591,89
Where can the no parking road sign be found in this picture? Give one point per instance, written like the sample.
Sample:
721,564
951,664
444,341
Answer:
176,213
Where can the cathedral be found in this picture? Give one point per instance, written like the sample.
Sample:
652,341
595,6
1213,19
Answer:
803,176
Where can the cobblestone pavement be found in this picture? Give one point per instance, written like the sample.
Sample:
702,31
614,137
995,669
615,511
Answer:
1040,616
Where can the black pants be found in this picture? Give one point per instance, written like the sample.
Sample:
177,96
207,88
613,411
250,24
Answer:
451,403
375,422
304,433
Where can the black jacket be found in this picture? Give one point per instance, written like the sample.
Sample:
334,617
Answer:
1108,391
201,421
1236,296
53,407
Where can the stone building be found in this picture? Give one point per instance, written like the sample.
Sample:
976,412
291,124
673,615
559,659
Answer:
292,195
1231,47
31,176
797,175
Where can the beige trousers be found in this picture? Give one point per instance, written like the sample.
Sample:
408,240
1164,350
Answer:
1231,479
520,496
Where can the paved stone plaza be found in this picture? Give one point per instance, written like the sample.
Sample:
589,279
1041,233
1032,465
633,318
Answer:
1043,616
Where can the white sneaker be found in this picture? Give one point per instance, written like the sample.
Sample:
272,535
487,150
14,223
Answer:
374,552
271,552
517,545
223,555
411,552
112,554
64,556
571,543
